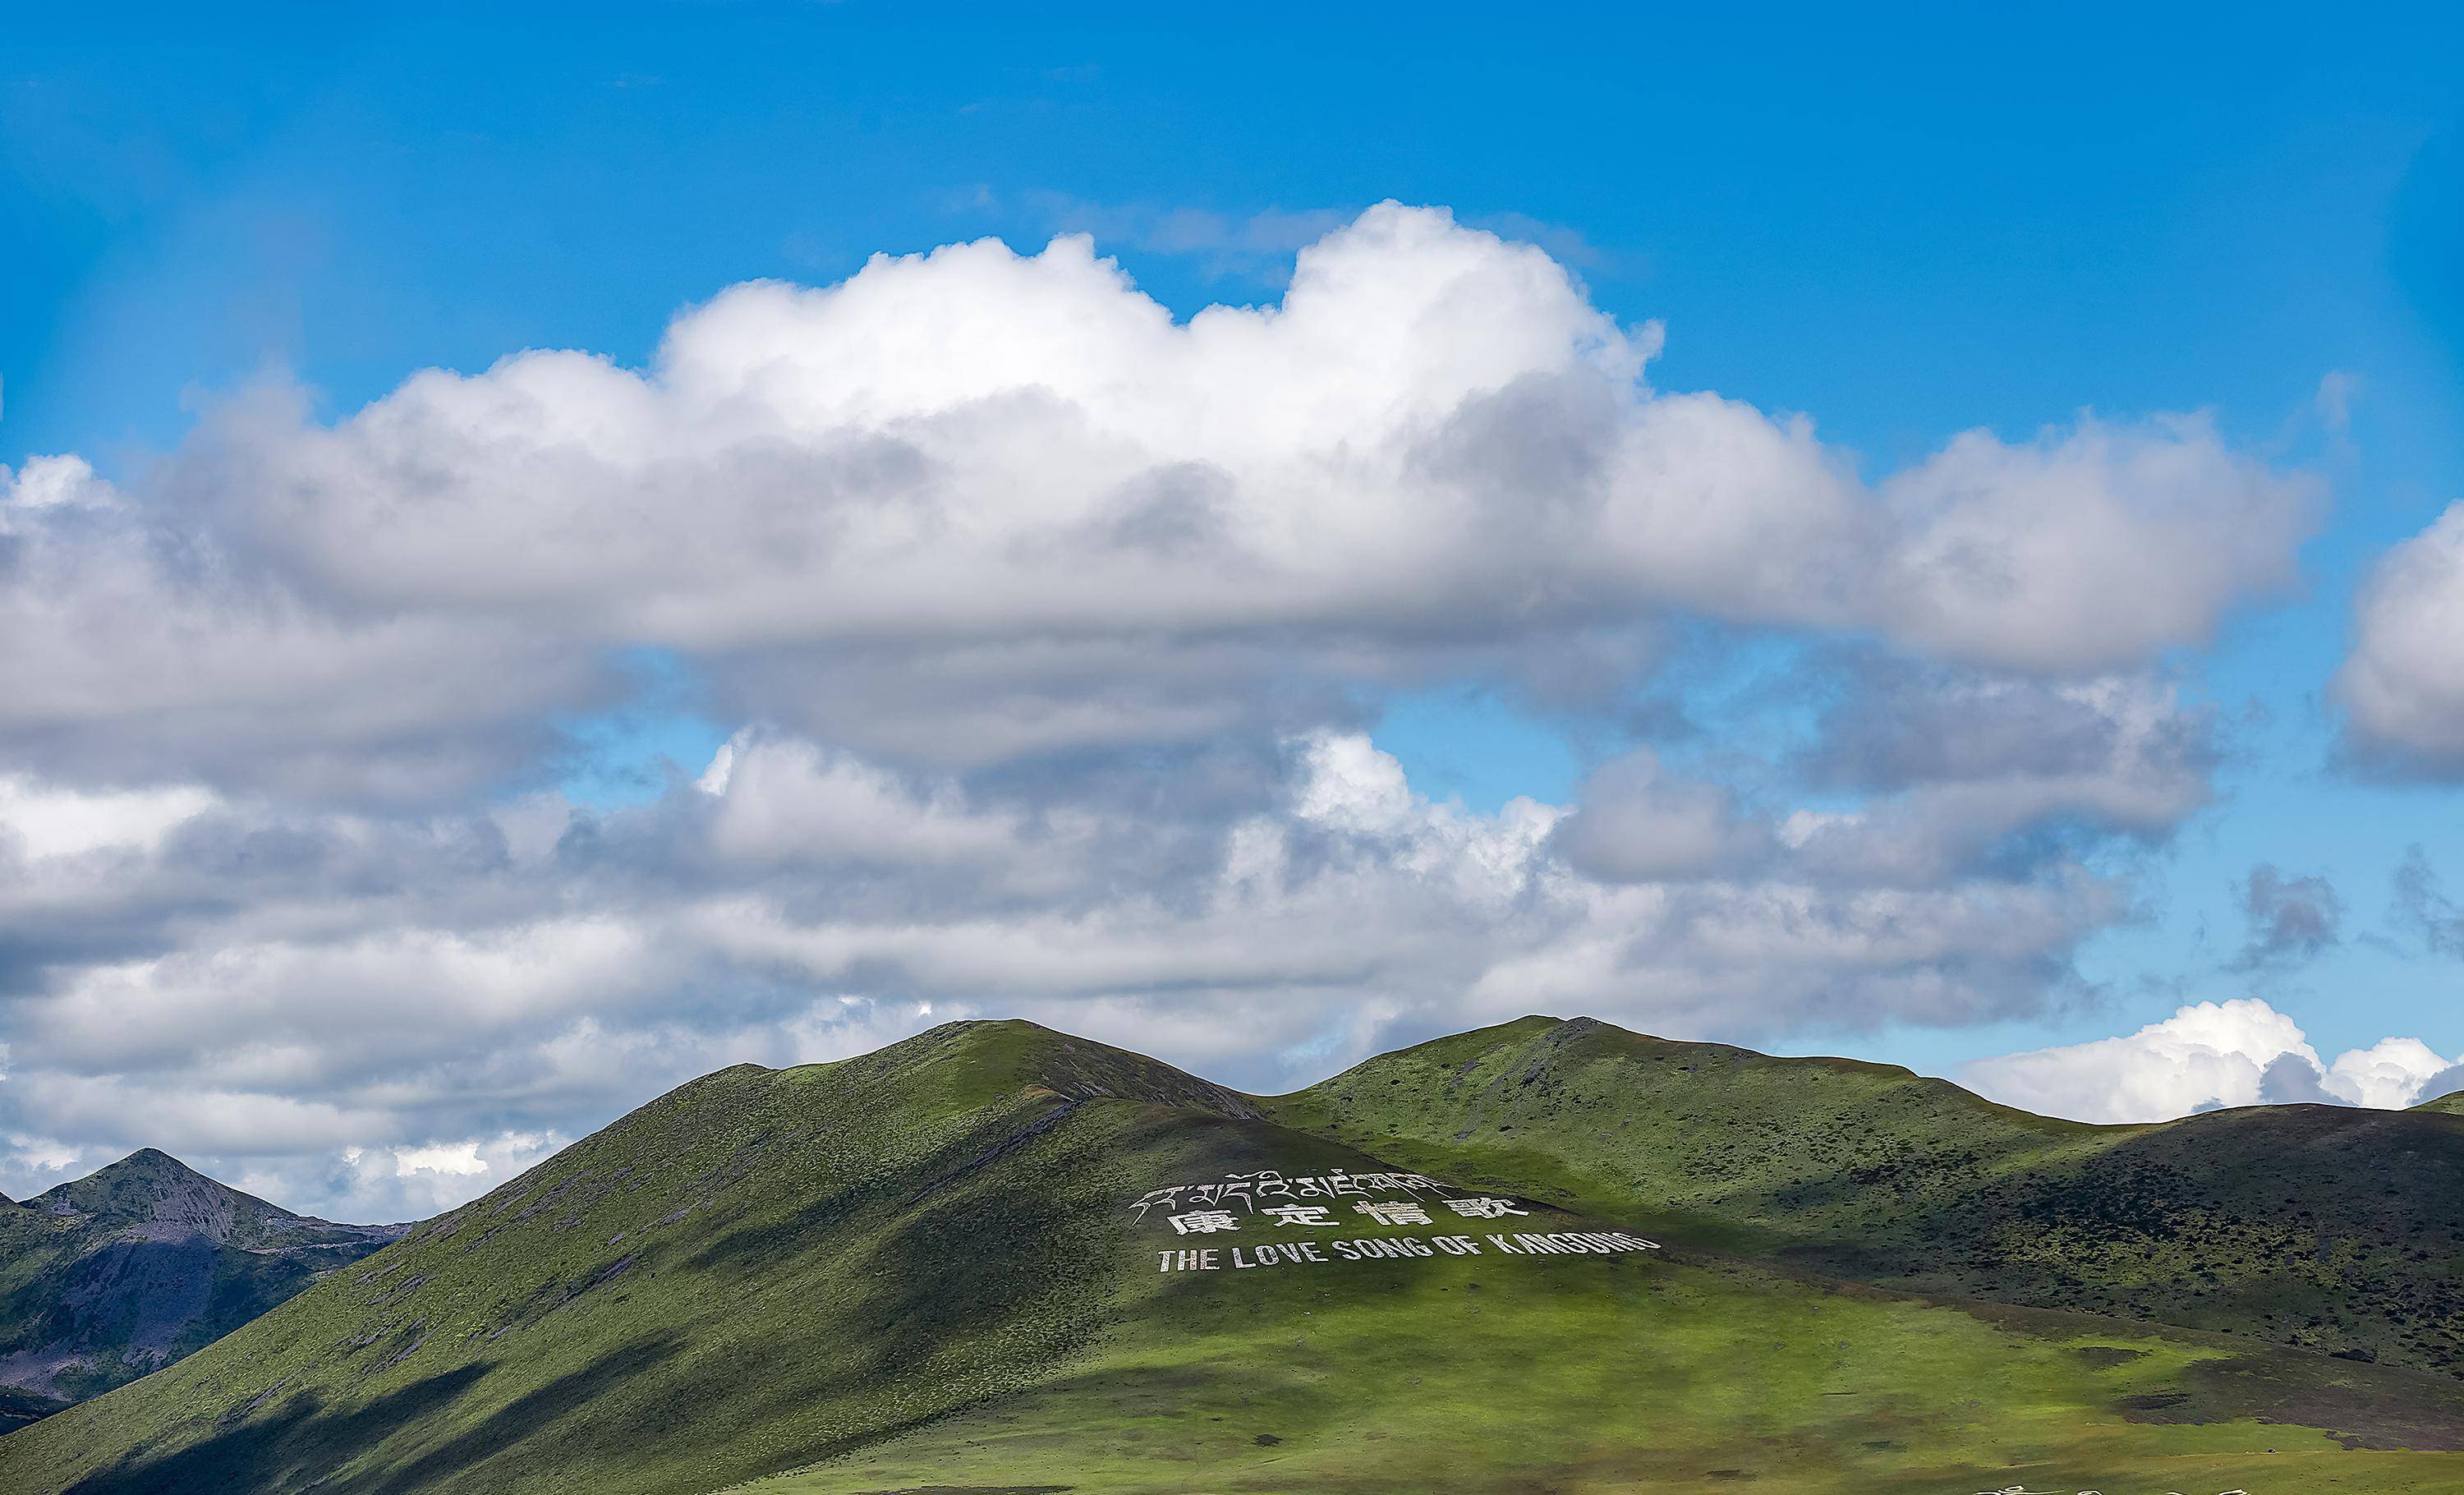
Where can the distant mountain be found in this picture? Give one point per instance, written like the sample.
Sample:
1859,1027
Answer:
2326,1227
129,1269
997,1257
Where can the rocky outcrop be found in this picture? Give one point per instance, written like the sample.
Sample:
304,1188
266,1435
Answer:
125,1271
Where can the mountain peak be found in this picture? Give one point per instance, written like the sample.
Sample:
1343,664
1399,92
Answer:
155,1194
148,1166
999,1056
155,1161
140,1261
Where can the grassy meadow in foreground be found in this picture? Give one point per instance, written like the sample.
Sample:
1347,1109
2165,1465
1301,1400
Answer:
1582,1373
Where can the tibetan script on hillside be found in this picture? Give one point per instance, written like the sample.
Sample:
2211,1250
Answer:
1300,1220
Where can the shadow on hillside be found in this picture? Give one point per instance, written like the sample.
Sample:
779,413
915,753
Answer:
752,1249
297,1442
302,1444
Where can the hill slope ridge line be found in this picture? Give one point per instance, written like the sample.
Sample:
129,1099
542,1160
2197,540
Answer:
2329,1228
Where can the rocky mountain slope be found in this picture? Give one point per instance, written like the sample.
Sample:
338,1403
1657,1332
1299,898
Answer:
125,1271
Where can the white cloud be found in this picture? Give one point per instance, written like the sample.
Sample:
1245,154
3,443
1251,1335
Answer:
1979,761
2402,687
2088,546
49,820
41,1160
398,1183
971,505
722,767
458,1158
1641,824
2390,1074
49,483
390,985
207,1117
788,801
1056,620
2239,1052
1350,785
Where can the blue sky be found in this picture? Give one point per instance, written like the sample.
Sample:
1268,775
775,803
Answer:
1954,217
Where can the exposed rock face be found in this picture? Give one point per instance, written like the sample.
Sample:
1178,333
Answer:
124,1270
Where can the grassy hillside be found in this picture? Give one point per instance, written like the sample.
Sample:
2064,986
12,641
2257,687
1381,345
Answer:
2329,1228
130,1267
745,1274
1687,1374
925,1268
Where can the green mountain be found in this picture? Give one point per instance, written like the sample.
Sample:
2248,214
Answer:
135,1265
993,1258
2319,1226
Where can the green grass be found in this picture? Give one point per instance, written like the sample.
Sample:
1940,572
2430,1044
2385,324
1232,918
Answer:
917,1271
2321,1227
1589,1374
749,1272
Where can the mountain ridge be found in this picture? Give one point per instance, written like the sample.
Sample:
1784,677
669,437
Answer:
744,1187
107,1277
943,1266
2219,1221
150,1190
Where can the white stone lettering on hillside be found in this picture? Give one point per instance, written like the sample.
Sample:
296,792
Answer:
1251,1192
1293,1221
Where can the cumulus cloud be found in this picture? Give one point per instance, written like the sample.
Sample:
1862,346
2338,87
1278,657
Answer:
2390,1074
2086,547
348,981
2402,686
971,504
1059,626
2209,1054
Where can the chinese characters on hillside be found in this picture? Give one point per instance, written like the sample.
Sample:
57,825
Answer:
1298,1221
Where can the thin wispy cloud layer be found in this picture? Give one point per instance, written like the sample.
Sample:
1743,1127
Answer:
2424,908
2291,918
1057,630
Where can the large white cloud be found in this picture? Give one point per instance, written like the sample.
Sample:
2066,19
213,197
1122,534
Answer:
1014,494
307,985
2403,685
1057,623
2209,1054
